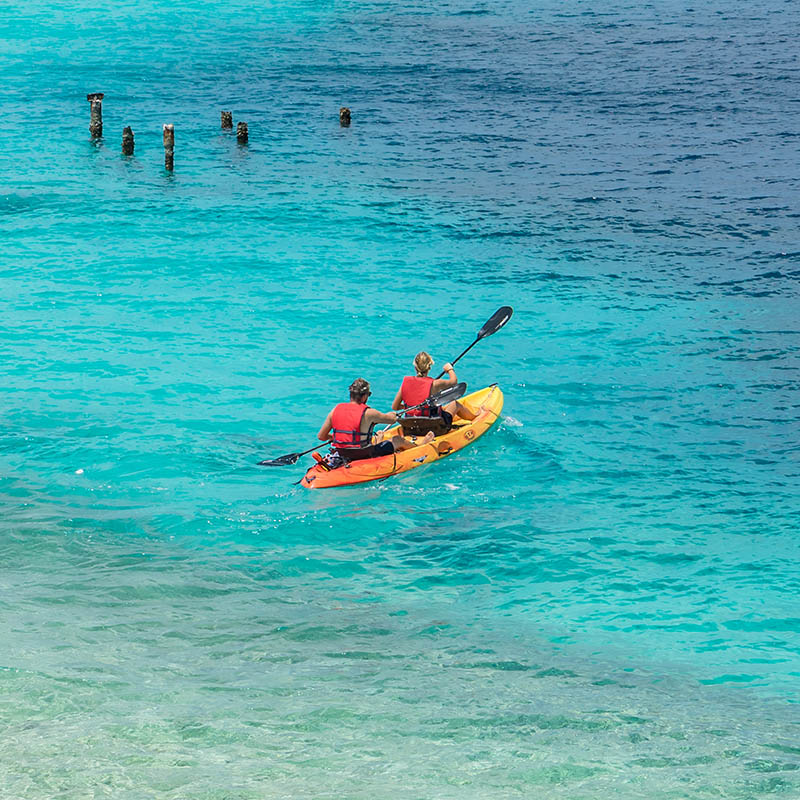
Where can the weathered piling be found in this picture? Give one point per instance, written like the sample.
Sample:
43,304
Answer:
169,147
241,133
127,141
344,117
227,120
96,118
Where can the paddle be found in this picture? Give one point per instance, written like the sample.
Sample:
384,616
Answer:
440,399
291,458
492,325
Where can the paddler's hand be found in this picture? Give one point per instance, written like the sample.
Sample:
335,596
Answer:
448,367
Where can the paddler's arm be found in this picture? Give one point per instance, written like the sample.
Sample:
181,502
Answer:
445,383
325,431
373,416
397,403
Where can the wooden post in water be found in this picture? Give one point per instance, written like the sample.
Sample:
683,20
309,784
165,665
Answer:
96,118
344,117
169,147
227,120
241,133
127,141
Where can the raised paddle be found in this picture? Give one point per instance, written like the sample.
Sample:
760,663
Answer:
492,325
442,398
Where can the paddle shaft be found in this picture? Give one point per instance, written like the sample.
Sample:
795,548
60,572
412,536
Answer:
492,325
290,458
463,353
312,449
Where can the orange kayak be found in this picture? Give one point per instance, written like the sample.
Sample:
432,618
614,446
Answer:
488,402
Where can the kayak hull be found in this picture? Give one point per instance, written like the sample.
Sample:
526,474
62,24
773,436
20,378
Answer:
489,403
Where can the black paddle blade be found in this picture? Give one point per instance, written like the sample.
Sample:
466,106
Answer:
288,460
283,461
496,321
448,395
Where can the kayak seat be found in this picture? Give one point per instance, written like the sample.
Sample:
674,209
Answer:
419,426
357,453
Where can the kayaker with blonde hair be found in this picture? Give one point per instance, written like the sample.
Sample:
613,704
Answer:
417,388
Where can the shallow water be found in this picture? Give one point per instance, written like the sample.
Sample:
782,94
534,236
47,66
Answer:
598,596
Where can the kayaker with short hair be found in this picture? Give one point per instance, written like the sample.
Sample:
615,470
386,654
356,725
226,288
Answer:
417,388
349,426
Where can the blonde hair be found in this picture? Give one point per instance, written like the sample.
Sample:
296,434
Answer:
422,362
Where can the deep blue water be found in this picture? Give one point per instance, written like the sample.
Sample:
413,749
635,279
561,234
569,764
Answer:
599,596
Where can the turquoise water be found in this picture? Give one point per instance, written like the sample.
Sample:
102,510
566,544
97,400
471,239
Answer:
599,596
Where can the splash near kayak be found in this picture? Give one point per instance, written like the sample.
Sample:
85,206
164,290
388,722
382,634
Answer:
487,402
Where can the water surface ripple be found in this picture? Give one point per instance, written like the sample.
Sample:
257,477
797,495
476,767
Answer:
600,596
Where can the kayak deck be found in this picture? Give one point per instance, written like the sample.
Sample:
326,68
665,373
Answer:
488,402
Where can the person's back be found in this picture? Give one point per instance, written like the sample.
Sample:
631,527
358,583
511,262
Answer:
347,425
414,390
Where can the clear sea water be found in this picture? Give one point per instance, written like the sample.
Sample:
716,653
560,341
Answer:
599,598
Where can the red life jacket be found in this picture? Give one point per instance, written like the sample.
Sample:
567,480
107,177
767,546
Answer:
415,390
346,421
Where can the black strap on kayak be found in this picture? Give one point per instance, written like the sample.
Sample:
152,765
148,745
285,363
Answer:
394,468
